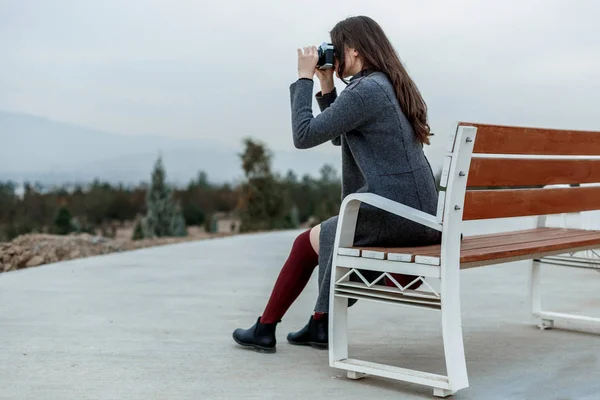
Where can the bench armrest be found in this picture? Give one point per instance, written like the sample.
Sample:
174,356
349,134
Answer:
393,207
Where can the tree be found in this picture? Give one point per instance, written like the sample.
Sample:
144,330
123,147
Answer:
138,232
197,200
202,180
328,174
62,221
163,217
294,217
256,160
192,214
329,193
291,178
262,202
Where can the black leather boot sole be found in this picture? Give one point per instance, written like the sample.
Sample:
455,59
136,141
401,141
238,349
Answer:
260,337
314,345
256,347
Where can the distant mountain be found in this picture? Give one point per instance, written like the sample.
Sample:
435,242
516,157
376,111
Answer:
37,149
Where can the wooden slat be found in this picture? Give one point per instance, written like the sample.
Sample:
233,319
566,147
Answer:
498,139
525,235
514,250
505,203
494,172
532,236
506,245
521,237
480,241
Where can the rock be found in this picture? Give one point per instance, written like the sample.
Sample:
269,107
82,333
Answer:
12,250
35,261
74,254
51,256
22,259
98,239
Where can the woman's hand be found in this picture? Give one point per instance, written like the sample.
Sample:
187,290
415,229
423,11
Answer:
307,67
326,79
307,62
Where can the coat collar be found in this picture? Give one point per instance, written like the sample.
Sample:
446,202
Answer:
364,72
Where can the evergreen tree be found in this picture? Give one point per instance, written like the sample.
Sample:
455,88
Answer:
62,221
163,217
138,232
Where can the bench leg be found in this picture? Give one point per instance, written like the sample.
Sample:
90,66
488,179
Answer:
456,366
442,392
546,324
355,375
546,319
338,329
338,306
535,291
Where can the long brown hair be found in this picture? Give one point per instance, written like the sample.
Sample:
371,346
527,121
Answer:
366,36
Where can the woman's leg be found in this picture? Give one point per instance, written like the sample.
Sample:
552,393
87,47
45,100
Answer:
326,241
315,332
292,279
315,234
294,275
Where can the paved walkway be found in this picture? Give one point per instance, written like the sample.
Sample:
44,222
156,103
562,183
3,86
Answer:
156,324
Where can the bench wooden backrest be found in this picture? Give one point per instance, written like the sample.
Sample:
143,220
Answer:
511,165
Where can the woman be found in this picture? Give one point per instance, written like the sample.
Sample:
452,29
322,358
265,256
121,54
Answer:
380,122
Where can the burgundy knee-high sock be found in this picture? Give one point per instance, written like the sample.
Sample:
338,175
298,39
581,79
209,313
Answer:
318,316
292,279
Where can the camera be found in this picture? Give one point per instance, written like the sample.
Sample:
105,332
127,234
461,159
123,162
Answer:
326,56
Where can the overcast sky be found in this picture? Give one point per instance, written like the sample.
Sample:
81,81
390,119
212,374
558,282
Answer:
222,69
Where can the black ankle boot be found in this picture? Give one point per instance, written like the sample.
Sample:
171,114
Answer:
314,334
260,336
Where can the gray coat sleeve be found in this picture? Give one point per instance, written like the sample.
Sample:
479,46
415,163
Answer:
324,101
345,114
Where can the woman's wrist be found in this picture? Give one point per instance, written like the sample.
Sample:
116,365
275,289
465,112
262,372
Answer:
327,87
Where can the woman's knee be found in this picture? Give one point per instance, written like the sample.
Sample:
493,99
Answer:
315,233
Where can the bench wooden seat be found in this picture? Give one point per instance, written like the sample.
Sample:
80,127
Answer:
500,247
489,172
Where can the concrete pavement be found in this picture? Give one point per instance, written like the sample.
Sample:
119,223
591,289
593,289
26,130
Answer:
156,324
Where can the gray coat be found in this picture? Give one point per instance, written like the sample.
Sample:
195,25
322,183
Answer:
380,154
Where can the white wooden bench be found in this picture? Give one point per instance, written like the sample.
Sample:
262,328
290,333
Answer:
490,172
